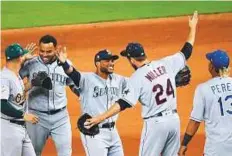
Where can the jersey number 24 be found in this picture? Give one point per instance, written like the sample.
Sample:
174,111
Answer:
158,88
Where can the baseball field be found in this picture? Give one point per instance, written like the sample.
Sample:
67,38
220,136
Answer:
86,27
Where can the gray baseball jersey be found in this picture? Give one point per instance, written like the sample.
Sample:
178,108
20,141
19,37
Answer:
213,104
14,138
97,95
43,102
12,89
153,85
39,98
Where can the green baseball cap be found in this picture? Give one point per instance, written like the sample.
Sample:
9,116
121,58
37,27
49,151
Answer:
14,50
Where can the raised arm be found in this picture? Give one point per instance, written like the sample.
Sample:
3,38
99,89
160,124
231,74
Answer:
62,60
68,69
188,46
31,48
193,26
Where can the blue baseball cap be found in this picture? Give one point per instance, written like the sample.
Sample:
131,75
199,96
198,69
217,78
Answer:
219,59
133,50
14,50
105,55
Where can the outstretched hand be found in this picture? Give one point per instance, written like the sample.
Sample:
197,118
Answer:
31,49
193,20
61,54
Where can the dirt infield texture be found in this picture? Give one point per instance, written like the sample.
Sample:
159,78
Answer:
160,37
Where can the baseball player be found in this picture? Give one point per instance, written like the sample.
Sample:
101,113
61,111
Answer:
153,84
49,105
212,104
14,138
98,91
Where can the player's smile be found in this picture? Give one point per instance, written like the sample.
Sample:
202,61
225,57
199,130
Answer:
107,66
45,59
111,67
47,52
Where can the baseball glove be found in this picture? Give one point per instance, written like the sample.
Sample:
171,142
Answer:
42,80
183,77
80,124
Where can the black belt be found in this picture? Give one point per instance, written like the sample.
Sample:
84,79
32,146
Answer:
22,123
108,125
160,114
19,122
51,112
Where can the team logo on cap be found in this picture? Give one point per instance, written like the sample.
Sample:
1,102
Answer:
109,53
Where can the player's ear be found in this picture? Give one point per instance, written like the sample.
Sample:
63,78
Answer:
211,67
97,64
57,47
132,60
21,59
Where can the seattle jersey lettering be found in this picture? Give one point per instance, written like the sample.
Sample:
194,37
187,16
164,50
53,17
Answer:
105,91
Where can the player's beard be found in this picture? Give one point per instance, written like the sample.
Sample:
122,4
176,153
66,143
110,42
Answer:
106,70
134,66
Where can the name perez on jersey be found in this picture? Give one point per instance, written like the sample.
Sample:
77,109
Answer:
105,91
151,75
221,88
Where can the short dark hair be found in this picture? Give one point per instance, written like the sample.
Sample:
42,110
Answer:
48,39
216,70
140,59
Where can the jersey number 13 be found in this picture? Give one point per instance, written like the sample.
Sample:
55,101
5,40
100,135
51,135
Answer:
221,105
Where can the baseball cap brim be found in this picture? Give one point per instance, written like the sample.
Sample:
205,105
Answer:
112,57
209,56
123,53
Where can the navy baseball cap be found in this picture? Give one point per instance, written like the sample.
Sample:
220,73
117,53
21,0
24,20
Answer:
14,50
219,59
105,55
133,50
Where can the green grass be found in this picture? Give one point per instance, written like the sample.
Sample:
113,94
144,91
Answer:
34,14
